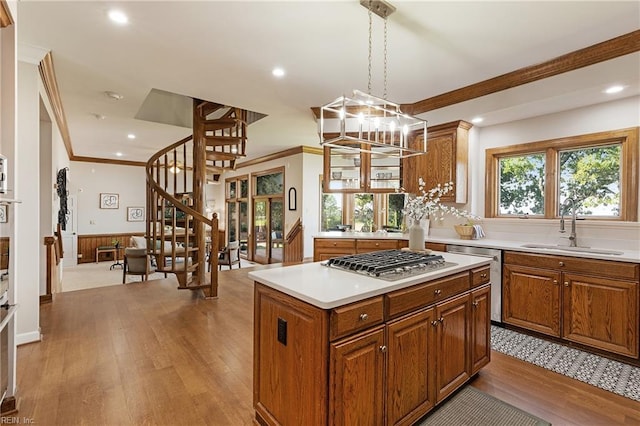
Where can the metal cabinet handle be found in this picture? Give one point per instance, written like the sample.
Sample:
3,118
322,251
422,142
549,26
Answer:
475,304
437,292
441,320
383,348
434,323
483,275
561,263
377,244
364,317
555,282
335,244
566,283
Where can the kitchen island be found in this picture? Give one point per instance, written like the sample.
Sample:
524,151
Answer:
335,347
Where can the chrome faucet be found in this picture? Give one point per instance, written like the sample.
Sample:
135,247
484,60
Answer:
573,240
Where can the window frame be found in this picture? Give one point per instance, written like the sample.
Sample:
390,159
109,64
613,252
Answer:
628,138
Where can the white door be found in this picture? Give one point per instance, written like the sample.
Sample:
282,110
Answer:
70,236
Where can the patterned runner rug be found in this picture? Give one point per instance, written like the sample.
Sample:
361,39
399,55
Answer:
473,407
617,377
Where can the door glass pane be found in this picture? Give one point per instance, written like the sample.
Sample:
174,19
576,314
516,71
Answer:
231,221
363,212
243,220
385,170
277,229
260,229
331,212
521,185
591,177
344,167
232,190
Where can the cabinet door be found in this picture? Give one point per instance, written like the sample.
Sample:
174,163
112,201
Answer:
344,169
480,328
452,345
410,368
285,345
531,299
602,313
356,383
446,160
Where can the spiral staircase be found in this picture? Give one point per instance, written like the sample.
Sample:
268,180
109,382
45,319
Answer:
179,234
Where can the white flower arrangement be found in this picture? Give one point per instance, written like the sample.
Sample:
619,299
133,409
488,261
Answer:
428,204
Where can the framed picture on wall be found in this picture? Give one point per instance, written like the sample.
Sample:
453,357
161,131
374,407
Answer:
108,200
3,213
135,214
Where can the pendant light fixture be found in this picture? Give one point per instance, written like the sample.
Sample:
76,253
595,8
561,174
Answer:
363,122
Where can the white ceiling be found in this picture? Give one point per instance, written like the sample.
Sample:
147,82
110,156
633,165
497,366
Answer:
224,51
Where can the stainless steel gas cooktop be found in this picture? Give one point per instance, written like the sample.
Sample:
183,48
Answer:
389,265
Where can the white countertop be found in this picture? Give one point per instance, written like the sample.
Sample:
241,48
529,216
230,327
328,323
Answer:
328,288
625,256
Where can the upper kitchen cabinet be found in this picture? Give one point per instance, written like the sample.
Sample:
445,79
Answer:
446,160
348,169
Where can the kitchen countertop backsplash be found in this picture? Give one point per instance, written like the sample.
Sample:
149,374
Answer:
512,234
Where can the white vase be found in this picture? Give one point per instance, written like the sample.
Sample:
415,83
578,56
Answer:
416,236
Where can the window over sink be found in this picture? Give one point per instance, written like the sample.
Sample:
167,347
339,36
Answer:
598,171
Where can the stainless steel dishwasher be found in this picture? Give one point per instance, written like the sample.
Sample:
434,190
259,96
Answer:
495,274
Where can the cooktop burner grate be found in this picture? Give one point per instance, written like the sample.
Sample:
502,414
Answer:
389,264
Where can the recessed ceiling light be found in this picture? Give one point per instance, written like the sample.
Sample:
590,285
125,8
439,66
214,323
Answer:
118,17
113,95
614,89
131,136
119,154
278,72
477,120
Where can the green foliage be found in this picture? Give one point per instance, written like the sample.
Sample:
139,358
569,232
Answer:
591,176
331,212
522,184
363,212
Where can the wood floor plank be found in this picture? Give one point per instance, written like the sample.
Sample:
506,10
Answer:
146,353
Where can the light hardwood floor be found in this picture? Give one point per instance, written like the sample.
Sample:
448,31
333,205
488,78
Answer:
147,353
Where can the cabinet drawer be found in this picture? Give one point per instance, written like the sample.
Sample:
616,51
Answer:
356,316
409,299
363,246
339,243
480,276
436,246
608,268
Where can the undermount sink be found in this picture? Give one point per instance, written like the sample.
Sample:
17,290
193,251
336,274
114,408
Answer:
576,249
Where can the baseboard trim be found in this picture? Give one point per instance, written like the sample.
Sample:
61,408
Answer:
31,337
9,406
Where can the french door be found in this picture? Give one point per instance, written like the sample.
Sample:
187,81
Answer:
268,225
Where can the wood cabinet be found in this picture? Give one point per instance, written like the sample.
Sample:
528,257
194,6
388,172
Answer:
356,380
383,360
586,301
446,160
326,248
480,328
346,169
531,298
453,333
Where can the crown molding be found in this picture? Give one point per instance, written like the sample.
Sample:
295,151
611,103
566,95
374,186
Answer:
31,54
48,75
303,149
6,17
108,161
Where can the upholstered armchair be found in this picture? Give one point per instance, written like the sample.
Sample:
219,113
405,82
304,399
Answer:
229,255
137,262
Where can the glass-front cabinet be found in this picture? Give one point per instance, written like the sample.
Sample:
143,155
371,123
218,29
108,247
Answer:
348,170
